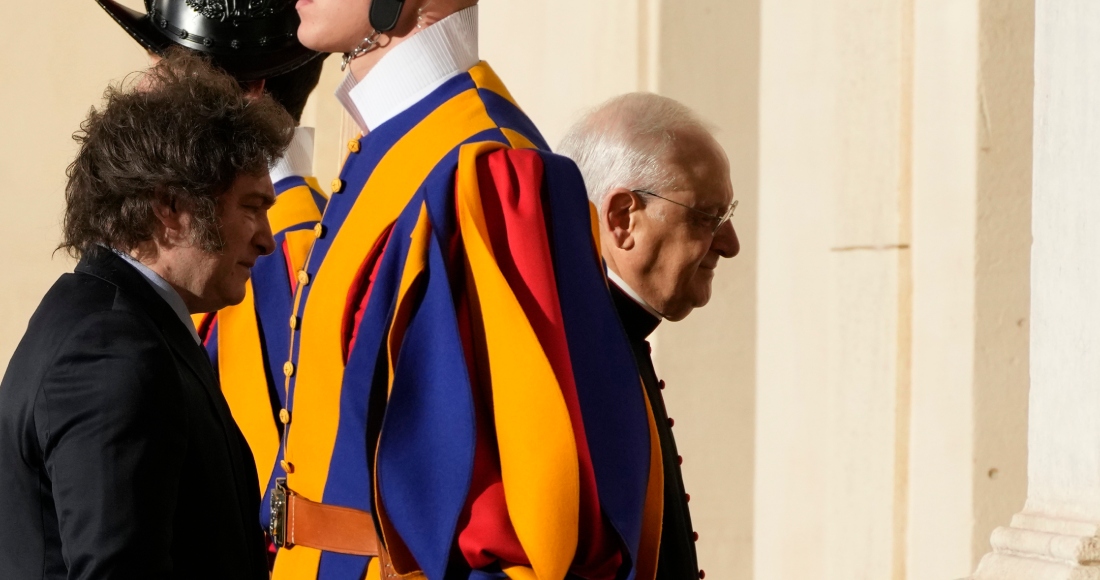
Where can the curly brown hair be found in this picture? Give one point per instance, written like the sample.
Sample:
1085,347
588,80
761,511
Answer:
180,135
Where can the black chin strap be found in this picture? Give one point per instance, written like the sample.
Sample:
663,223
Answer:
384,14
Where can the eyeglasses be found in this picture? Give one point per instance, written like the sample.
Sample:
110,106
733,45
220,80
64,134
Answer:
719,220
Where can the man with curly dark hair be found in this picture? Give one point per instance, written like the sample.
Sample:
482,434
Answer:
119,457
256,43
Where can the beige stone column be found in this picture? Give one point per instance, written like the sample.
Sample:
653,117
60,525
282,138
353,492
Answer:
833,316
1057,535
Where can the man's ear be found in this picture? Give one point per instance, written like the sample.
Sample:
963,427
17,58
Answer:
253,89
173,223
618,214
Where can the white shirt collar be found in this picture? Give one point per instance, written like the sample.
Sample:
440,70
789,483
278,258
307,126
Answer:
298,159
165,290
618,281
412,70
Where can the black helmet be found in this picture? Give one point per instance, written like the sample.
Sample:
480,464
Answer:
250,39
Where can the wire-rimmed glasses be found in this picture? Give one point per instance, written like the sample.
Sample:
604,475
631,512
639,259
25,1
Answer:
719,219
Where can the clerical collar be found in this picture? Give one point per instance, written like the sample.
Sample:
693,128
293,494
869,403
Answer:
637,321
412,70
298,159
632,294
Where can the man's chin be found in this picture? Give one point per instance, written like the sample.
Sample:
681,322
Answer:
234,300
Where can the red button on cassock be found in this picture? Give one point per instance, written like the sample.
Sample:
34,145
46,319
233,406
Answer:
671,422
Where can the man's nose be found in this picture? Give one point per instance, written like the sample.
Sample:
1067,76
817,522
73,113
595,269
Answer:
725,241
264,240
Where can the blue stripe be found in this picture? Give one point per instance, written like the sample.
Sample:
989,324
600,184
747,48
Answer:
508,116
610,392
289,182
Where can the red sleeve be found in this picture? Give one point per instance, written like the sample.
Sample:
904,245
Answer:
511,187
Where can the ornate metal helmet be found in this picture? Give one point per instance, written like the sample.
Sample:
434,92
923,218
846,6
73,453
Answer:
250,39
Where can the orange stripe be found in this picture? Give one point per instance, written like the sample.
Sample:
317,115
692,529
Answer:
485,78
415,263
292,207
538,452
650,544
244,382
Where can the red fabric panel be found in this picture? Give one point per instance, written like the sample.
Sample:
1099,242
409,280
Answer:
485,533
360,291
207,327
290,269
511,184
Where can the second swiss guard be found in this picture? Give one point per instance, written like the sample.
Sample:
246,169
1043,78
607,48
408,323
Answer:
460,398
257,43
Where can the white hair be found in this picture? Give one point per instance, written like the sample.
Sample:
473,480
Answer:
621,142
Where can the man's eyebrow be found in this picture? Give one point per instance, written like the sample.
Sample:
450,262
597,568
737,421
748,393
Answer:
264,196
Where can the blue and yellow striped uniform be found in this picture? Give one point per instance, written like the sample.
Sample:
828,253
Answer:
456,366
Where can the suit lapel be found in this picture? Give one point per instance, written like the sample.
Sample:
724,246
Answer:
106,265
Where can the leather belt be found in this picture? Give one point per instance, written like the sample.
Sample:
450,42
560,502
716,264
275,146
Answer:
297,521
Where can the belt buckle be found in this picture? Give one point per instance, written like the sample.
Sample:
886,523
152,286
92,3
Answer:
277,527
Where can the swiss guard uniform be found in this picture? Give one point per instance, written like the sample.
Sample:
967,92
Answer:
251,41
461,399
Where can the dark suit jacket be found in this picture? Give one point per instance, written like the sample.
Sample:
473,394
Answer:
118,455
677,560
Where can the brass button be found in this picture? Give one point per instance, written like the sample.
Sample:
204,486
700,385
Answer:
287,466
284,416
318,230
353,145
303,277
288,368
293,322
337,185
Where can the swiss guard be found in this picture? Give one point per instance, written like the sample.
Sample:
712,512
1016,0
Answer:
257,43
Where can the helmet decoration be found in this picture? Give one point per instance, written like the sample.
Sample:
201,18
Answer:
250,39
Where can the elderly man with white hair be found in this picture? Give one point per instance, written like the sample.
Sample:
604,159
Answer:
661,186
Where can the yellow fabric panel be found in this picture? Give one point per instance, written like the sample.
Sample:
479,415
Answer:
293,207
297,563
197,319
298,244
316,407
415,263
538,453
517,140
244,382
519,573
594,221
316,185
485,78
650,546
374,570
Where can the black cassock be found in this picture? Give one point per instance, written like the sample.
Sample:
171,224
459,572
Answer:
677,560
